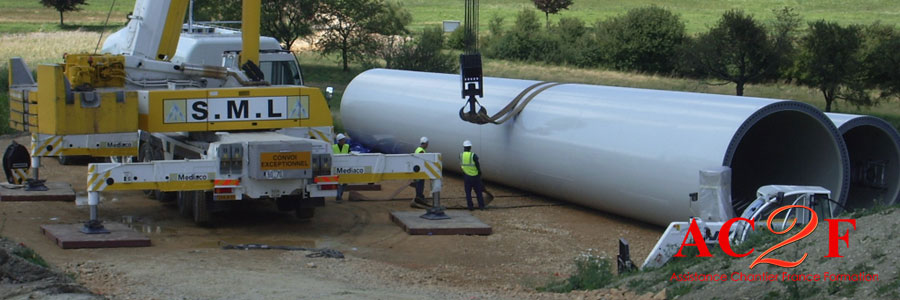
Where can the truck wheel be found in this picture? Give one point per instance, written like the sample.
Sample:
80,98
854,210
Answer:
185,204
202,209
148,153
305,213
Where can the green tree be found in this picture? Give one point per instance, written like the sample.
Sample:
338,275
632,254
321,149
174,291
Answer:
784,33
645,39
830,61
551,7
217,10
285,20
737,50
349,27
392,19
288,20
391,24
63,6
881,59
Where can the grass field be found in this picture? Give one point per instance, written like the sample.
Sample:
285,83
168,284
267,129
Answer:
31,16
698,15
321,72
44,47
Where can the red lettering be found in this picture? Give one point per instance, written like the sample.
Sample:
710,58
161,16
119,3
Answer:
723,237
834,237
699,242
807,230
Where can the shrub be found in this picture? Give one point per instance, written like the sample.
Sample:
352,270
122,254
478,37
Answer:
522,42
644,39
4,77
591,273
422,54
456,40
570,33
30,255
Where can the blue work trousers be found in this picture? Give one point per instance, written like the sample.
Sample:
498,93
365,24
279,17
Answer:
474,182
420,189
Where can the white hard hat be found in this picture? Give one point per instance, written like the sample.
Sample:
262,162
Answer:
467,143
341,136
423,140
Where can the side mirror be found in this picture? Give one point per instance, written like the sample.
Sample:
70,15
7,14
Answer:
329,93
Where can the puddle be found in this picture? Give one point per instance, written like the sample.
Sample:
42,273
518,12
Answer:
148,229
234,240
214,241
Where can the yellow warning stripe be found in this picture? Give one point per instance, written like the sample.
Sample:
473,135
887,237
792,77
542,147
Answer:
19,175
99,152
431,171
53,141
56,145
96,181
378,177
320,135
166,186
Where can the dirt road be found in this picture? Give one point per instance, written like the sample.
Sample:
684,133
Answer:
535,240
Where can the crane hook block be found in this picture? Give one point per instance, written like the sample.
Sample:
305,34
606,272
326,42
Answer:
471,74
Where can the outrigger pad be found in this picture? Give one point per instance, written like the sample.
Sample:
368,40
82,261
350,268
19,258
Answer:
69,236
460,222
56,191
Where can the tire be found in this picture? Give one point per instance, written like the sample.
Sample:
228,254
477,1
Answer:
202,209
185,204
147,153
305,213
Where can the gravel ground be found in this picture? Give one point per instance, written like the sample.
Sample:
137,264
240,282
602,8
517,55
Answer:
535,241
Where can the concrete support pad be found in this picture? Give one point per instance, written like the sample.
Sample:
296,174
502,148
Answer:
460,222
69,236
58,191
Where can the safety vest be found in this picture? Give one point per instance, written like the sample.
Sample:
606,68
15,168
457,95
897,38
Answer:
467,161
342,150
420,150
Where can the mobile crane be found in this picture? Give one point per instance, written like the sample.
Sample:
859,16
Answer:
205,135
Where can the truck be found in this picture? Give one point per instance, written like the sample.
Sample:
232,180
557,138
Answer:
205,132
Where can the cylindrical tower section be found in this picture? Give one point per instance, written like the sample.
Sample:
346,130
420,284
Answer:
873,146
633,152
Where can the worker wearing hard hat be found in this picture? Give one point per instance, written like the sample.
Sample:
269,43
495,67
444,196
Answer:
472,175
340,148
420,184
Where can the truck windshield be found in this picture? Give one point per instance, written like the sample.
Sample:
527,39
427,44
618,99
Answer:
281,72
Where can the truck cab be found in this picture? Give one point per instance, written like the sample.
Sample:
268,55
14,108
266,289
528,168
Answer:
208,45
219,46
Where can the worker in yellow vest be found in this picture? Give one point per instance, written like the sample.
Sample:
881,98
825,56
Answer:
471,175
420,184
340,148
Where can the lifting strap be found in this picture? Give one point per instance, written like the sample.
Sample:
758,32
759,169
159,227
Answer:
512,109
